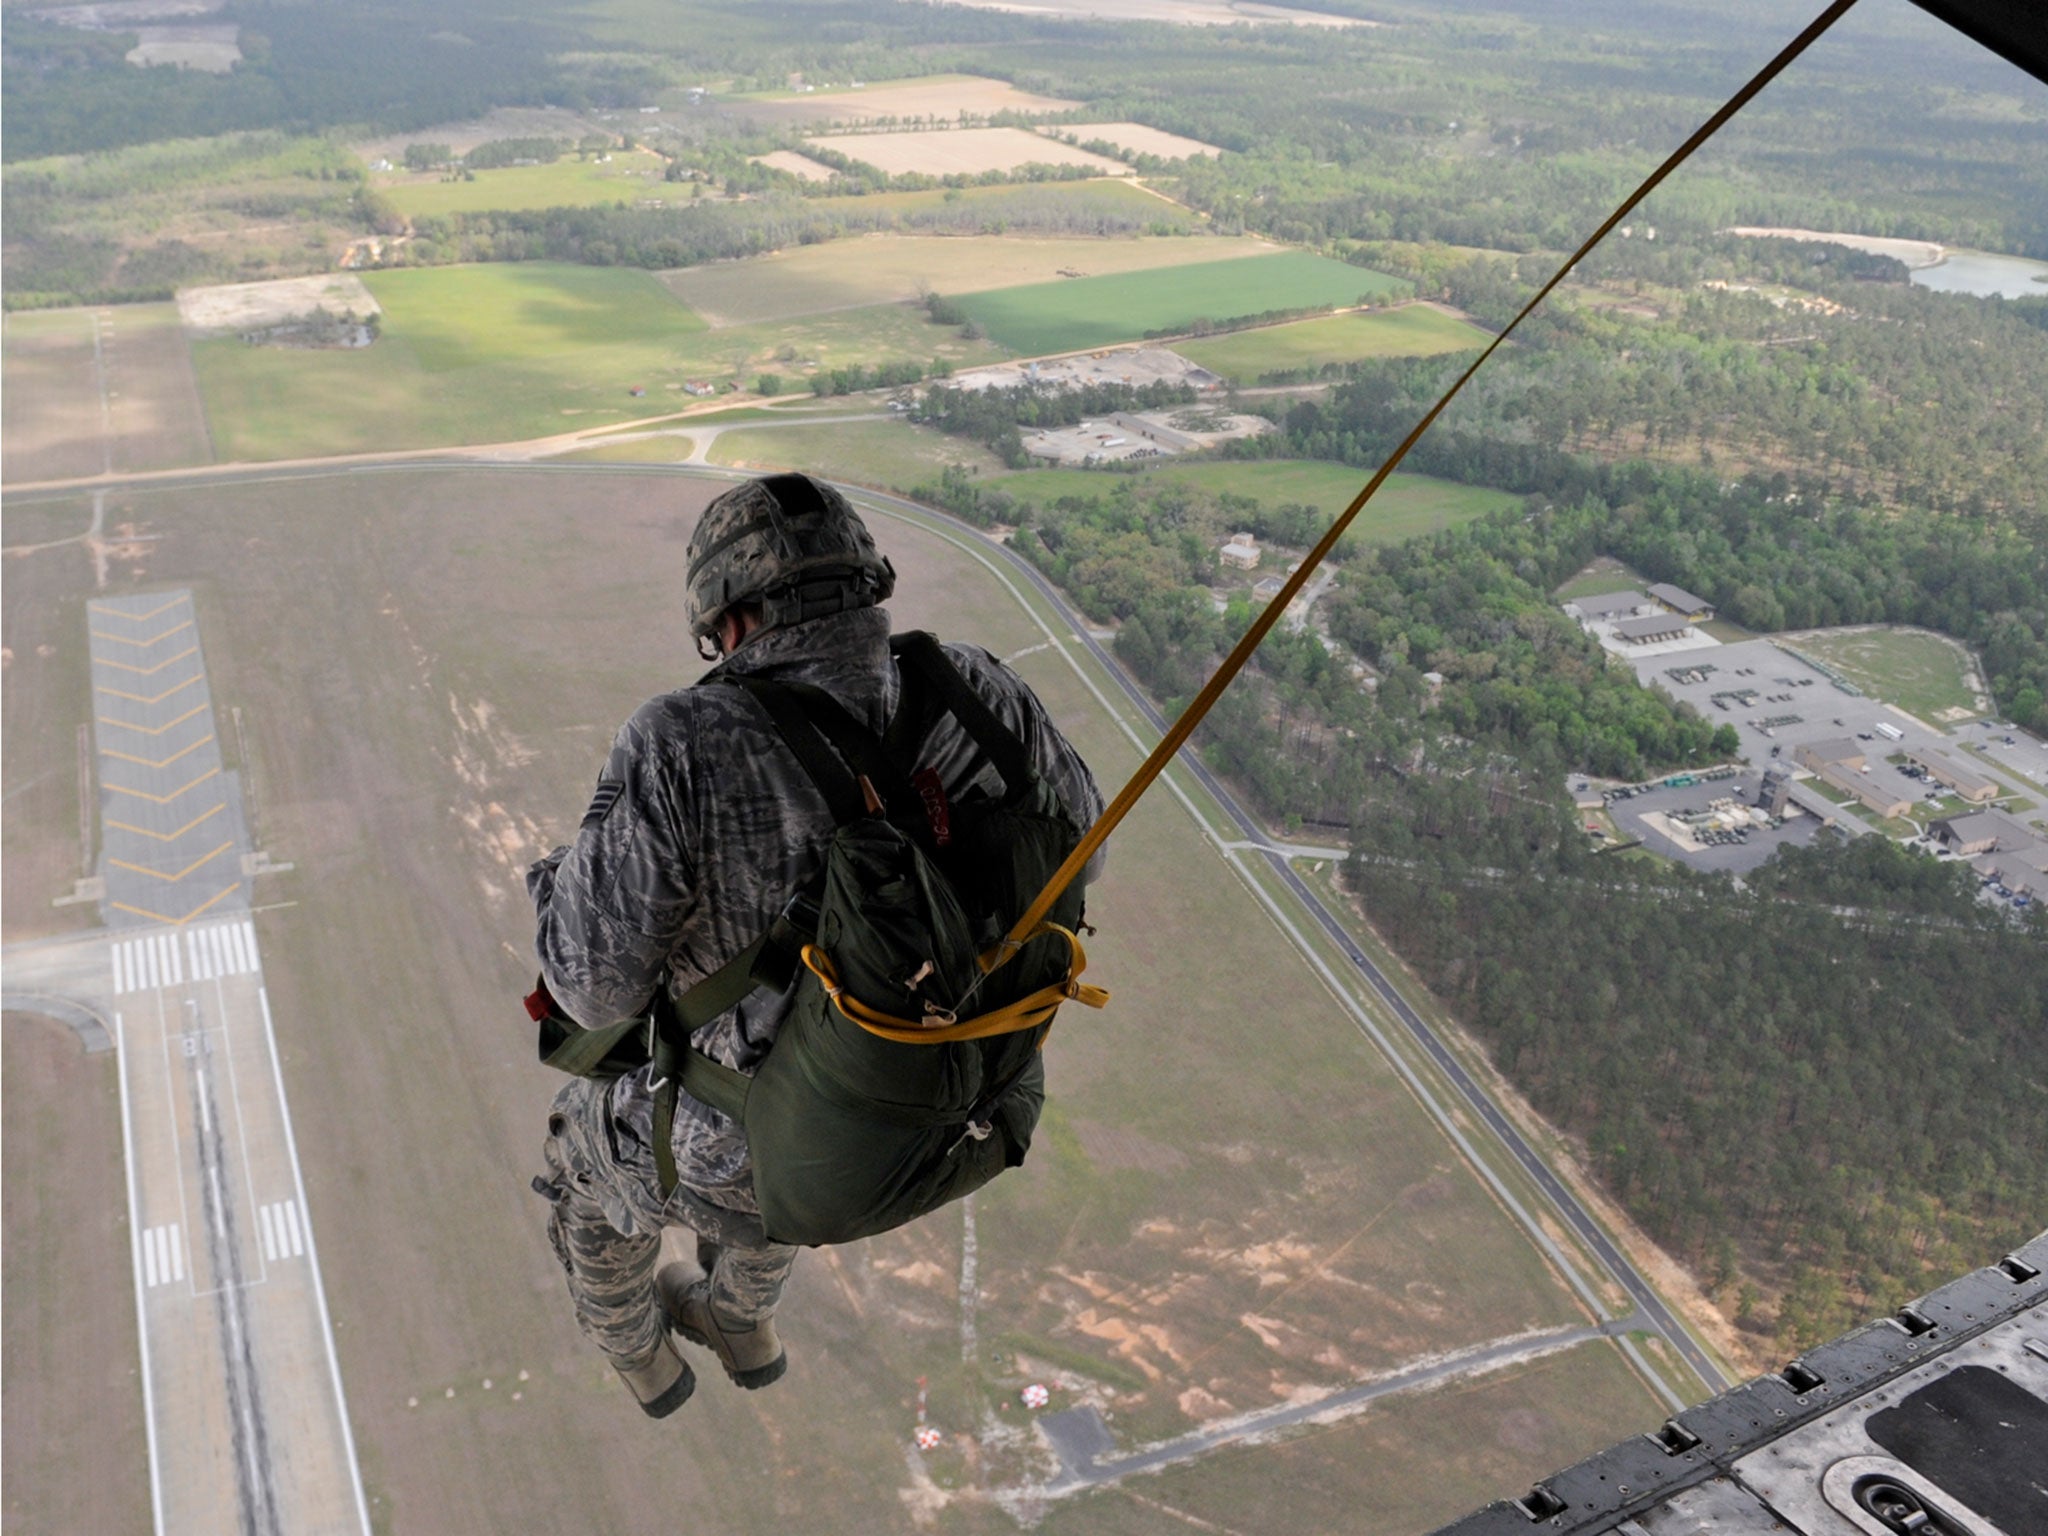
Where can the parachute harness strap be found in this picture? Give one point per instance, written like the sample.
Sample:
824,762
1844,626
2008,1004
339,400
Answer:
943,1028
1178,733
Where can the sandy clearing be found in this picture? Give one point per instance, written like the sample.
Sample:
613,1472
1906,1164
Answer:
242,306
962,151
797,165
1185,13
944,98
1136,139
214,50
1914,253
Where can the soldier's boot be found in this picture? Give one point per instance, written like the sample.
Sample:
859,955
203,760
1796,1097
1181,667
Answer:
662,1385
750,1352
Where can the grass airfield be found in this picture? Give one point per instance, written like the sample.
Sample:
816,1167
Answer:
1233,1200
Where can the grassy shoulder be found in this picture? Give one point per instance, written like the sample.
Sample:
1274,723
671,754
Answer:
75,1455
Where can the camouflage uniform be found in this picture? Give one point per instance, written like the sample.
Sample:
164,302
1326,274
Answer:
702,827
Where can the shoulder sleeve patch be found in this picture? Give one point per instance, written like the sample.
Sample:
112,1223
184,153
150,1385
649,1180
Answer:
607,796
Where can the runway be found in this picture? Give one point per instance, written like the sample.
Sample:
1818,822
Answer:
246,1418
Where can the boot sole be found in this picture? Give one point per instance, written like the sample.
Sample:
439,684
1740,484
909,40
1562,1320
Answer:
678,1394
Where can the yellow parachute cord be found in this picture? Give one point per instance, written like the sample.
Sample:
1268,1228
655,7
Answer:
1181,729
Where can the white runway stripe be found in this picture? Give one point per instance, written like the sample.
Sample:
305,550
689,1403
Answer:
166,959
282,1236
163,1256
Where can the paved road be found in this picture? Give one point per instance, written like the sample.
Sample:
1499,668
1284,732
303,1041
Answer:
1476,1098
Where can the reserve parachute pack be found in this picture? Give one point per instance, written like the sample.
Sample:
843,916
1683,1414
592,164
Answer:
908,1073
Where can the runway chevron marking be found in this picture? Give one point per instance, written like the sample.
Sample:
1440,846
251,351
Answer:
108,661
175,629
129,757
153,730
123,613
157,698
143,794
177,922
167,837
144,869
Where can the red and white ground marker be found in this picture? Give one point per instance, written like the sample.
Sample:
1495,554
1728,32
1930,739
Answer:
928,1438
1035,1396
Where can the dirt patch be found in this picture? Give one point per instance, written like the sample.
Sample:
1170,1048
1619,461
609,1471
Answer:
237,307
797,165
962,151
74,1455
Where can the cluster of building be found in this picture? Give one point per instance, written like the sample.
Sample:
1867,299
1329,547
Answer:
1998,848
1663,614
1844,764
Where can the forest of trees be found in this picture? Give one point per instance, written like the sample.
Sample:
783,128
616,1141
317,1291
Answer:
1833,1098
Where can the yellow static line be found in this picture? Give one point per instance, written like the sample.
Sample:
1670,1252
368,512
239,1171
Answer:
152,730
108,661
101,634
177,922
128,757
123,613
155,874
143,794
136,698
166,837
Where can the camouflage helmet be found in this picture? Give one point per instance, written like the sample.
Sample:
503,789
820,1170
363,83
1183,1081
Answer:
788,542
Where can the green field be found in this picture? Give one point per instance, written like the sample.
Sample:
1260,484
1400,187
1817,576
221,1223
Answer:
1073,314
884,269
628,176
1924,674
889,455
1405,506
1414,330
505,352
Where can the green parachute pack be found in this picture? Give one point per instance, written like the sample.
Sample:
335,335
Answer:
908,1073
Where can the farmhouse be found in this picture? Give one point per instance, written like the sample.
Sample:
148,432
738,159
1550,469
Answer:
1608,605
1240,553
1681,602
1942,768
1650,630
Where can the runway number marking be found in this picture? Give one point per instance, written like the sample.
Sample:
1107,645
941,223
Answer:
163,1256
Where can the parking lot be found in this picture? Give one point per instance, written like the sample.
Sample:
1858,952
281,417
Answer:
1648,815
